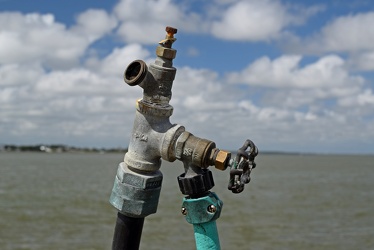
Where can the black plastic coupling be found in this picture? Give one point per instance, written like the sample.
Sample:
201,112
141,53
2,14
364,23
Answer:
196,185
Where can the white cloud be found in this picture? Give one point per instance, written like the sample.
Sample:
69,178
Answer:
259,20
12,75
94,23
350,33
363,99
116,62
73,82
252,21
84,103
38,38
310,102
285,71
305,102
363,61
32,37
281,103
207,106
144,21
69,104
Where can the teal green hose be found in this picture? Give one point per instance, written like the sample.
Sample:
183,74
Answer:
206,236
202,213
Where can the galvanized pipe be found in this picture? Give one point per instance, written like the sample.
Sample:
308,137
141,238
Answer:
138,181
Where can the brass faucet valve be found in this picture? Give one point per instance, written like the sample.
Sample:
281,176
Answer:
169,38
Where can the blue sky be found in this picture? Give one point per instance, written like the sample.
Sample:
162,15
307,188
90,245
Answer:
290,75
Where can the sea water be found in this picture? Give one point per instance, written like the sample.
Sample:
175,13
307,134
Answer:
60,201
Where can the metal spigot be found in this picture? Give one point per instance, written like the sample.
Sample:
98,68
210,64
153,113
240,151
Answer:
137,184
138,181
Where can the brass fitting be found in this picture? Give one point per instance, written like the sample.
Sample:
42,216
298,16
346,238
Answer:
220,158
200,152
169,39
166,52
171,31
195,150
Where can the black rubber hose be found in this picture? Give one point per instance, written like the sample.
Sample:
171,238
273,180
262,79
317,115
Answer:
127,233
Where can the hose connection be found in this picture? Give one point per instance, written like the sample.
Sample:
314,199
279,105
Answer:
135,72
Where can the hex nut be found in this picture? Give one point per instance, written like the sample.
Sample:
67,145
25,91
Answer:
140,181
222,160
166,52
138,209
179,145
134,194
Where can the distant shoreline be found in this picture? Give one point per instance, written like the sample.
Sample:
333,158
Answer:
58,148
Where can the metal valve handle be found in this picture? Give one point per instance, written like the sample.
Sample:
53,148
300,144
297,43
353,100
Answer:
242,166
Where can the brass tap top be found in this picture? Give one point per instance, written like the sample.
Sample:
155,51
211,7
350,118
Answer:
171,31
169,39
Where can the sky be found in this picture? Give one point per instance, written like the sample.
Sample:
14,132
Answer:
293,76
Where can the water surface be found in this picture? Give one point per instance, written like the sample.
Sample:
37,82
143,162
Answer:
60,201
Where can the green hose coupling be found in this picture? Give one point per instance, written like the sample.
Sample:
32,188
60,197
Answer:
202,213
203,209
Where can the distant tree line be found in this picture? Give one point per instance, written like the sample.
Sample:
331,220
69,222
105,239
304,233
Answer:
58,148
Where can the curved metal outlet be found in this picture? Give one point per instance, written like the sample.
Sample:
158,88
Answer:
135,72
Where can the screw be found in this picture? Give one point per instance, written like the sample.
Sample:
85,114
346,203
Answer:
212,209
184,211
